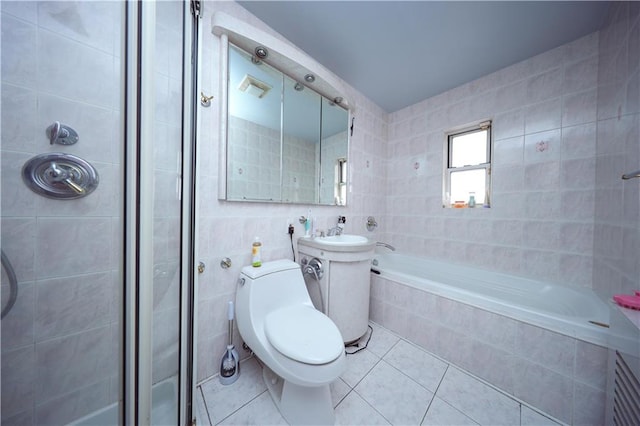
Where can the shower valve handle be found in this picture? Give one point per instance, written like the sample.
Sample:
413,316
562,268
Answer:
59,174
71,184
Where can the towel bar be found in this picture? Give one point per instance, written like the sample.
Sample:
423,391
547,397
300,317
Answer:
631,175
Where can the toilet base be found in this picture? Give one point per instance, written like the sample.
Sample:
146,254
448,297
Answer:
300,405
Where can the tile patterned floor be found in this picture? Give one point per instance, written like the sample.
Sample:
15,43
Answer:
391,382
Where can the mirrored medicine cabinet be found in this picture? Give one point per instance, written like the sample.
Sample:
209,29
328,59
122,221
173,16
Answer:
284,142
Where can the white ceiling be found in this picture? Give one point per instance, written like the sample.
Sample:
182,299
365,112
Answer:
399,53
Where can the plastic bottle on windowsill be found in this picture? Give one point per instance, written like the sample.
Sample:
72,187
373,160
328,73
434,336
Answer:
472,200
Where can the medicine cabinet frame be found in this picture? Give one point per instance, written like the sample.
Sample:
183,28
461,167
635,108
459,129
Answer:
294,64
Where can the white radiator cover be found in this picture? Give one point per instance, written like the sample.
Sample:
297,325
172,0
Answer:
626,394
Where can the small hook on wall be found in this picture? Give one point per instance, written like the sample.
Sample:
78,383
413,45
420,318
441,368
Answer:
542,146
205,100
61,134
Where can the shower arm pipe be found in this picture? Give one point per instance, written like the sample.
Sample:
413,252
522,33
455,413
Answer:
13,284
631,175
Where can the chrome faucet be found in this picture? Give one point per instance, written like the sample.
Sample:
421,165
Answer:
337,230
389,246
334,231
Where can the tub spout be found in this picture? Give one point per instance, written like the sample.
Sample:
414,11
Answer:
389,246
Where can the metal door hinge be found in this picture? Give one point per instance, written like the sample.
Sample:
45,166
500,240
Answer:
195,8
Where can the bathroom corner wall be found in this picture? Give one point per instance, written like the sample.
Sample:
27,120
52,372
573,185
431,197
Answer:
540,224
227,229
617,202
616,248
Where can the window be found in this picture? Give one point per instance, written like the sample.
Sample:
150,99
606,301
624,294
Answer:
467,180
340,190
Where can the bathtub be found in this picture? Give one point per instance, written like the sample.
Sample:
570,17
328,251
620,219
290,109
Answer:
546,345
573,312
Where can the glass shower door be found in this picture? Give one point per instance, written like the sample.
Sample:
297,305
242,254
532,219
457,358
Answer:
159,206
74,343
62,339
170,143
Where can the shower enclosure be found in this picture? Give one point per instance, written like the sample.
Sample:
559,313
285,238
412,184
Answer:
97,324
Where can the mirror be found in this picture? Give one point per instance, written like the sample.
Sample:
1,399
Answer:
301,134
333,154
253,129
284,142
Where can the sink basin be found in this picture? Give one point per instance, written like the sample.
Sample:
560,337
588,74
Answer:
342,243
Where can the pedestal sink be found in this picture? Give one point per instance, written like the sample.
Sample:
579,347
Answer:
342,288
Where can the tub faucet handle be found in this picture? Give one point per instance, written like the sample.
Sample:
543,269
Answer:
371,223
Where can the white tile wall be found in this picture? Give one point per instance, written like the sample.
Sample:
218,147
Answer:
549,98
617,203
616,257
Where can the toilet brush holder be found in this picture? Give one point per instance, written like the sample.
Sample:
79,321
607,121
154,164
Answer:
230,364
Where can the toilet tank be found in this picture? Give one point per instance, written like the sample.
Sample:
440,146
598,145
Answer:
271,286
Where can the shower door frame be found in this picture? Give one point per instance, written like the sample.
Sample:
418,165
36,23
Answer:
138,127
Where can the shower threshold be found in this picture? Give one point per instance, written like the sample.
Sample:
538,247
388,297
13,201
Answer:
163,410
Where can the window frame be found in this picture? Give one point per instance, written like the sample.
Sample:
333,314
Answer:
340,179
447,202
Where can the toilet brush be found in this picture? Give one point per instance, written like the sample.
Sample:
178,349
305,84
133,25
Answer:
230,364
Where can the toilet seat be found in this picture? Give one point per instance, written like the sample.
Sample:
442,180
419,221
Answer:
304,334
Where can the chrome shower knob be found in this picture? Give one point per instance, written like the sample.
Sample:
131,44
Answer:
61,176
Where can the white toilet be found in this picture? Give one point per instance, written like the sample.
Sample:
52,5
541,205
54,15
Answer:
301,348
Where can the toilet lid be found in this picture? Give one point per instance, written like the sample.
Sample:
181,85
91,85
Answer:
304,334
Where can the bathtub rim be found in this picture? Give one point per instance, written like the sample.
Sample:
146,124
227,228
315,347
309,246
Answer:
618,338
